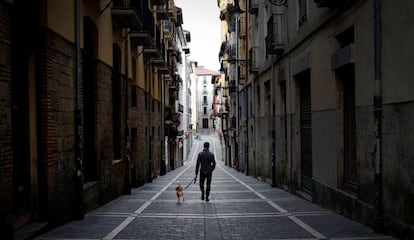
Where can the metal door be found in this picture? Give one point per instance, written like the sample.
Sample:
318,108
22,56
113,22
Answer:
306,135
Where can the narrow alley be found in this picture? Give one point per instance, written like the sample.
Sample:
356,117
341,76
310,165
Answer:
240,207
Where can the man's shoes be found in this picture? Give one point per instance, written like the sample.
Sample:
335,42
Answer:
202,196
207,199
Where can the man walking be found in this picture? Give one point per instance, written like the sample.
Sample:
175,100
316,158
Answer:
208,164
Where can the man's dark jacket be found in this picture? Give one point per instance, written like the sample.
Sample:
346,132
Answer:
207,162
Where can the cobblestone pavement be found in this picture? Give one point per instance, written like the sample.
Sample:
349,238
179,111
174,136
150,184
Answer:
240,207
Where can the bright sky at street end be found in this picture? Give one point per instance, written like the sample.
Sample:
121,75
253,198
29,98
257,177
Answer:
201,18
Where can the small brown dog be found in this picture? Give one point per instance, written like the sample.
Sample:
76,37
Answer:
180,192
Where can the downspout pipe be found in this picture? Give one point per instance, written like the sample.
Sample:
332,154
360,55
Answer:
273,125
79,214
127,184
151,137
379,210
163,167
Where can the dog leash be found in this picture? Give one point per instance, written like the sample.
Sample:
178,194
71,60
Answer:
192,180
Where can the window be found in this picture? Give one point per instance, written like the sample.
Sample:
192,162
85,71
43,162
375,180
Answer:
275,35
347,37
205,110
146,101
258,98
302,10
204,99
134,101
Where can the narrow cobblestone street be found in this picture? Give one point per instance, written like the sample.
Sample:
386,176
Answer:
240,207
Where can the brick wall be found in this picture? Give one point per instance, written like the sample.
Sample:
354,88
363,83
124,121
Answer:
56,111
6,156
58,93
139,146
110,174
156,121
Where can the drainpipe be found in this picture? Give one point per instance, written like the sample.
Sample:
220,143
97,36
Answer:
127,184
150,123
78,161
379,219
163,167
273,127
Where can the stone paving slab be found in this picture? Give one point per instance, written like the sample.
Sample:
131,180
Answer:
261,228
298,205
241,207
164,228
92,227
336,226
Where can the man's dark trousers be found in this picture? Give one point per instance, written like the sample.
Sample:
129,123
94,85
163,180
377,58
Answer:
203,177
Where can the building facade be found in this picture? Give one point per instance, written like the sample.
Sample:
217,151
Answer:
328,103
185,69
86,89
205,80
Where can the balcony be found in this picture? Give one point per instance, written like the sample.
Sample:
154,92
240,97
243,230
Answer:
242,27
343,57
163,70
155,49
254,6
242,75
161,65
172,11
159,2
142,38
223,15
254,59
161,10
158,62
171,46
232,53
151,52
275,40
180,108
232,86
326,3
125,15
168,29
